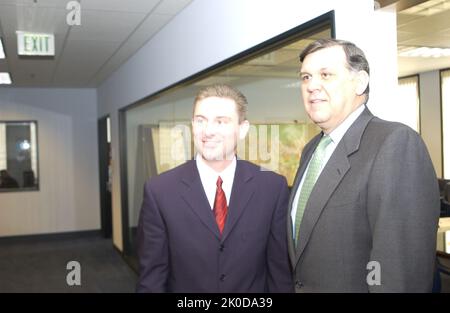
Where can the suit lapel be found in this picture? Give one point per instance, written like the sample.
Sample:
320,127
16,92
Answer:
241,193
194,195
329,180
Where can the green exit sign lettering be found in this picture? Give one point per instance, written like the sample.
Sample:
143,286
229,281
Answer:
35,44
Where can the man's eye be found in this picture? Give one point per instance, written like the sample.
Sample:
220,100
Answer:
326,75
222,122
305,77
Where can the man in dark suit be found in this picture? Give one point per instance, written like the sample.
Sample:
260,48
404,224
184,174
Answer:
215,224
365,203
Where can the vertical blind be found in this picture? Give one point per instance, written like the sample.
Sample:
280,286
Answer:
445,92
408,97
2,146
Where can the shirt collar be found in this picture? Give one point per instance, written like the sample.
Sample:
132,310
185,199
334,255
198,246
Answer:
339,132
208,173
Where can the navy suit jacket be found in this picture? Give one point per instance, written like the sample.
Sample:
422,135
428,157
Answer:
181,250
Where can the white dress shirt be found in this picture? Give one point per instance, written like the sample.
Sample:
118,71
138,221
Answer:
336,136
208,176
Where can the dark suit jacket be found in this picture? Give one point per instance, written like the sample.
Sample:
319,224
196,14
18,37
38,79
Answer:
179,245
377,199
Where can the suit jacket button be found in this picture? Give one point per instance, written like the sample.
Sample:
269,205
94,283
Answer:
222,277
222,247
298,284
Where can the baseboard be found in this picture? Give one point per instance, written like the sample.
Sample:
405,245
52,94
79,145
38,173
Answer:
52,236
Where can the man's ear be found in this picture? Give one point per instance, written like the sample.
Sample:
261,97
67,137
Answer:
362,81
243,129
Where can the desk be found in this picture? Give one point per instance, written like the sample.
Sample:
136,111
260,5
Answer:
443,235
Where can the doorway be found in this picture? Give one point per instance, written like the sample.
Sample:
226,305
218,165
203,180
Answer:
105,177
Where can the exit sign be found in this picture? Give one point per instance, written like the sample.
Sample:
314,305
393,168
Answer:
35,44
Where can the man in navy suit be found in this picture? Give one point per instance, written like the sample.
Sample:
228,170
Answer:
215,224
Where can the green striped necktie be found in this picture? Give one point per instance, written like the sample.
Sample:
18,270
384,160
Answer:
310,179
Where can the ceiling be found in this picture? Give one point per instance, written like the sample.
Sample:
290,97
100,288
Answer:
111,31
427,24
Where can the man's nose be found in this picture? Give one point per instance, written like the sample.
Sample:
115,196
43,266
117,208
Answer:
210,128
314,83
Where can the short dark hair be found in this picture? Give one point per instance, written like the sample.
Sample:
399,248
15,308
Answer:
356,59
224,91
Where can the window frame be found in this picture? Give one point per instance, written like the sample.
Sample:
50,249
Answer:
37,175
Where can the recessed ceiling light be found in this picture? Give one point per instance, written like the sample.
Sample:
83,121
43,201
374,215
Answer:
5,78
2,51
424,52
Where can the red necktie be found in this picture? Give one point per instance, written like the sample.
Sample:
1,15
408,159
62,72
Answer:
220,205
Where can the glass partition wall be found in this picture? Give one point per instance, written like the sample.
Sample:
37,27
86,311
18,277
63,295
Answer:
445,113
156,132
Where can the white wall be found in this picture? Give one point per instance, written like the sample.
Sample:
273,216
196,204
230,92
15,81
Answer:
68,199
208,32
430,119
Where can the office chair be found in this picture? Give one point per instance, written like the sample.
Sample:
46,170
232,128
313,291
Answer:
442,184
442,268
445,208
445,199
447,192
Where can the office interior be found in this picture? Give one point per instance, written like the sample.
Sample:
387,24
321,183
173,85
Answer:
112,107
